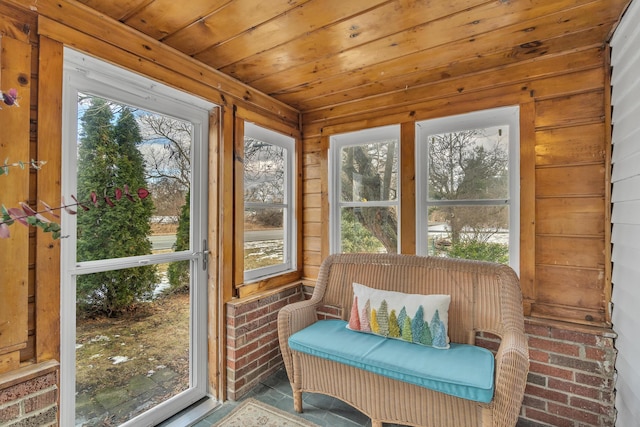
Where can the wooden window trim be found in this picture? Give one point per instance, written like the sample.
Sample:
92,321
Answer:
241,289
49,189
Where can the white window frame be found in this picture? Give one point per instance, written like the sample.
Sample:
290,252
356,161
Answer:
83,73
503,116
288,205
336,144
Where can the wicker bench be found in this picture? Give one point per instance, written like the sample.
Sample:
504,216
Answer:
485,297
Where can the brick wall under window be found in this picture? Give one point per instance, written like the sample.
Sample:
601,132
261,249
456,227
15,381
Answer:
253,351
29,396
571,376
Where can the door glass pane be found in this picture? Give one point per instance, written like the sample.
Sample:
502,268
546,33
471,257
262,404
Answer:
133,179
263,237
369,229
133,198
125,365
469,165
471,232
369,172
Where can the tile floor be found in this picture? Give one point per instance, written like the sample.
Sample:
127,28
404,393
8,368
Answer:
322,410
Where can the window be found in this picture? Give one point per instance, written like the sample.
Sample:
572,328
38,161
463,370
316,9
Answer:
468,186
269,209
134,253
364,193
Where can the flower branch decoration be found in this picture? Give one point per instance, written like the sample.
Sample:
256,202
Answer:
33,164
27,216
10,97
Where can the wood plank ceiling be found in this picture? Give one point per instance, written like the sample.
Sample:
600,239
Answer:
314,54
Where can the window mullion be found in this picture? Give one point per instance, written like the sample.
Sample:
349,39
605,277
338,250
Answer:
265,205
469,202
380,203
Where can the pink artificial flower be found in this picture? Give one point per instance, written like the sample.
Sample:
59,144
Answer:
11,97
4,231
30,212
19,215
50,209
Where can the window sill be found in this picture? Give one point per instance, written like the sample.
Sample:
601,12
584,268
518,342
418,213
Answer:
268,283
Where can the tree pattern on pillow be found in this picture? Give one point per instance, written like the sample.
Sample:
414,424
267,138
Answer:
380,322
365,325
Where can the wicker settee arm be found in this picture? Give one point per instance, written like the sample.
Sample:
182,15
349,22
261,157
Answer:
292,318
512,366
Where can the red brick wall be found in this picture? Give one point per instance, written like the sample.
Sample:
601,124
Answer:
29,396
253,351
571,376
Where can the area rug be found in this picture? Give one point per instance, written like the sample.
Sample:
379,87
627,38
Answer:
253,413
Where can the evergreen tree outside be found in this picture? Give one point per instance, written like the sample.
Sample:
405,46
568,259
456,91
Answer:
108,158
178,272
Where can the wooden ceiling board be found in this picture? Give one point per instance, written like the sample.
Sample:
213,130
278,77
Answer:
437,52
299,23
385,26
227,22
444,21
162,18
372,80
116,9
340,54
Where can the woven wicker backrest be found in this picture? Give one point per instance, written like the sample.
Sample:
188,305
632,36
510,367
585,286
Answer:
484,296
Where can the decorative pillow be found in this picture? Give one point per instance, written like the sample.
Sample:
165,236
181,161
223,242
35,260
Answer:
420,319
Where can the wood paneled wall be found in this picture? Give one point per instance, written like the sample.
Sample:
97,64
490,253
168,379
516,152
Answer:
32,58
564,265
18,60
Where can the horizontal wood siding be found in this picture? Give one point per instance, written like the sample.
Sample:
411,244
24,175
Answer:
625,237
564,168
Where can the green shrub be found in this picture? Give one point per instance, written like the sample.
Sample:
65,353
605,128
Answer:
481,251
178,272
356,237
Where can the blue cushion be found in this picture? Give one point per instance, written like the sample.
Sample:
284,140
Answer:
463,370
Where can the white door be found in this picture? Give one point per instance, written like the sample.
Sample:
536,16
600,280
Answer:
134,249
